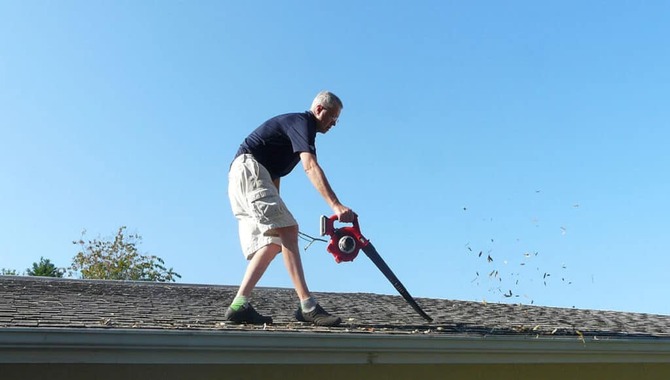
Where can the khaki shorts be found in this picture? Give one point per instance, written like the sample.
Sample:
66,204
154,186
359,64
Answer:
256,204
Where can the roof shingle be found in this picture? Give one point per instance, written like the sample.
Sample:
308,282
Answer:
66,303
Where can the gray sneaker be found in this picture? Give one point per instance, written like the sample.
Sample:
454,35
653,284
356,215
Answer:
247,314
318,316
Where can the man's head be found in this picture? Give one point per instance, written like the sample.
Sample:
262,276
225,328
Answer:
326,107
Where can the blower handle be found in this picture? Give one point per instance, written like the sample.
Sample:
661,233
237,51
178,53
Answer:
327,225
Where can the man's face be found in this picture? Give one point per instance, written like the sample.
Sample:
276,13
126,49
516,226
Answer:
326,117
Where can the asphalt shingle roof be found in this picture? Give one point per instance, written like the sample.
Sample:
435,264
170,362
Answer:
65,303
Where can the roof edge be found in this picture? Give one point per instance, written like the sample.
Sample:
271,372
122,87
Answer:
136,346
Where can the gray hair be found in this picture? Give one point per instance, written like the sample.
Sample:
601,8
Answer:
326,99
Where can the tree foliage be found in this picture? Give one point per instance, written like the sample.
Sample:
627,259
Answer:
119,259
8,272
45,268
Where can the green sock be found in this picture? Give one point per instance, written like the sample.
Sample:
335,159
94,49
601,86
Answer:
238,302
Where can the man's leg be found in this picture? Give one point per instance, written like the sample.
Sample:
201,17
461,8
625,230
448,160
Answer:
256,267
292,260
309,310
240,311
264,256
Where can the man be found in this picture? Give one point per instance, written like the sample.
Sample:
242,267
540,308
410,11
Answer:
266,226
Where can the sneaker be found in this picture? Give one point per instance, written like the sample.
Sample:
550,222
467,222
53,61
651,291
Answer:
318,316
247,314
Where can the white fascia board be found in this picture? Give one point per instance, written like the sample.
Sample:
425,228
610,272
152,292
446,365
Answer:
41,345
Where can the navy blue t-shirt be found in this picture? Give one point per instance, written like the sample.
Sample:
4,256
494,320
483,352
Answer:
277,143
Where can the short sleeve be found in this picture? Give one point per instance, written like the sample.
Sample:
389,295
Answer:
302,138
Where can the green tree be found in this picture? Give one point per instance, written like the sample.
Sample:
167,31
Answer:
45,269
8,272
119,259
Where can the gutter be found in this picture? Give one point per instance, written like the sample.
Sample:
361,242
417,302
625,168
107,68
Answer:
137,346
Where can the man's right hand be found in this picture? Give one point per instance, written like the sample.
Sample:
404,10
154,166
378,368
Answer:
344,213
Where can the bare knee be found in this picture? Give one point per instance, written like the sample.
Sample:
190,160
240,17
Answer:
289,240
267,252
288,233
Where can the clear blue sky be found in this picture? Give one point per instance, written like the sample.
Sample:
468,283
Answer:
533,132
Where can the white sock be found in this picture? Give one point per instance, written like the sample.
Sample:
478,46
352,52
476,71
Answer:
308,304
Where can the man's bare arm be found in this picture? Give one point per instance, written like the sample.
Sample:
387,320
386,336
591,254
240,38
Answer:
320,182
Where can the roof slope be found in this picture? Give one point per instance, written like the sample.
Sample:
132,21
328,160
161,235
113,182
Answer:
37,302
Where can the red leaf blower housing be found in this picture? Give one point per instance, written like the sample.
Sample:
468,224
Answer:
346,242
